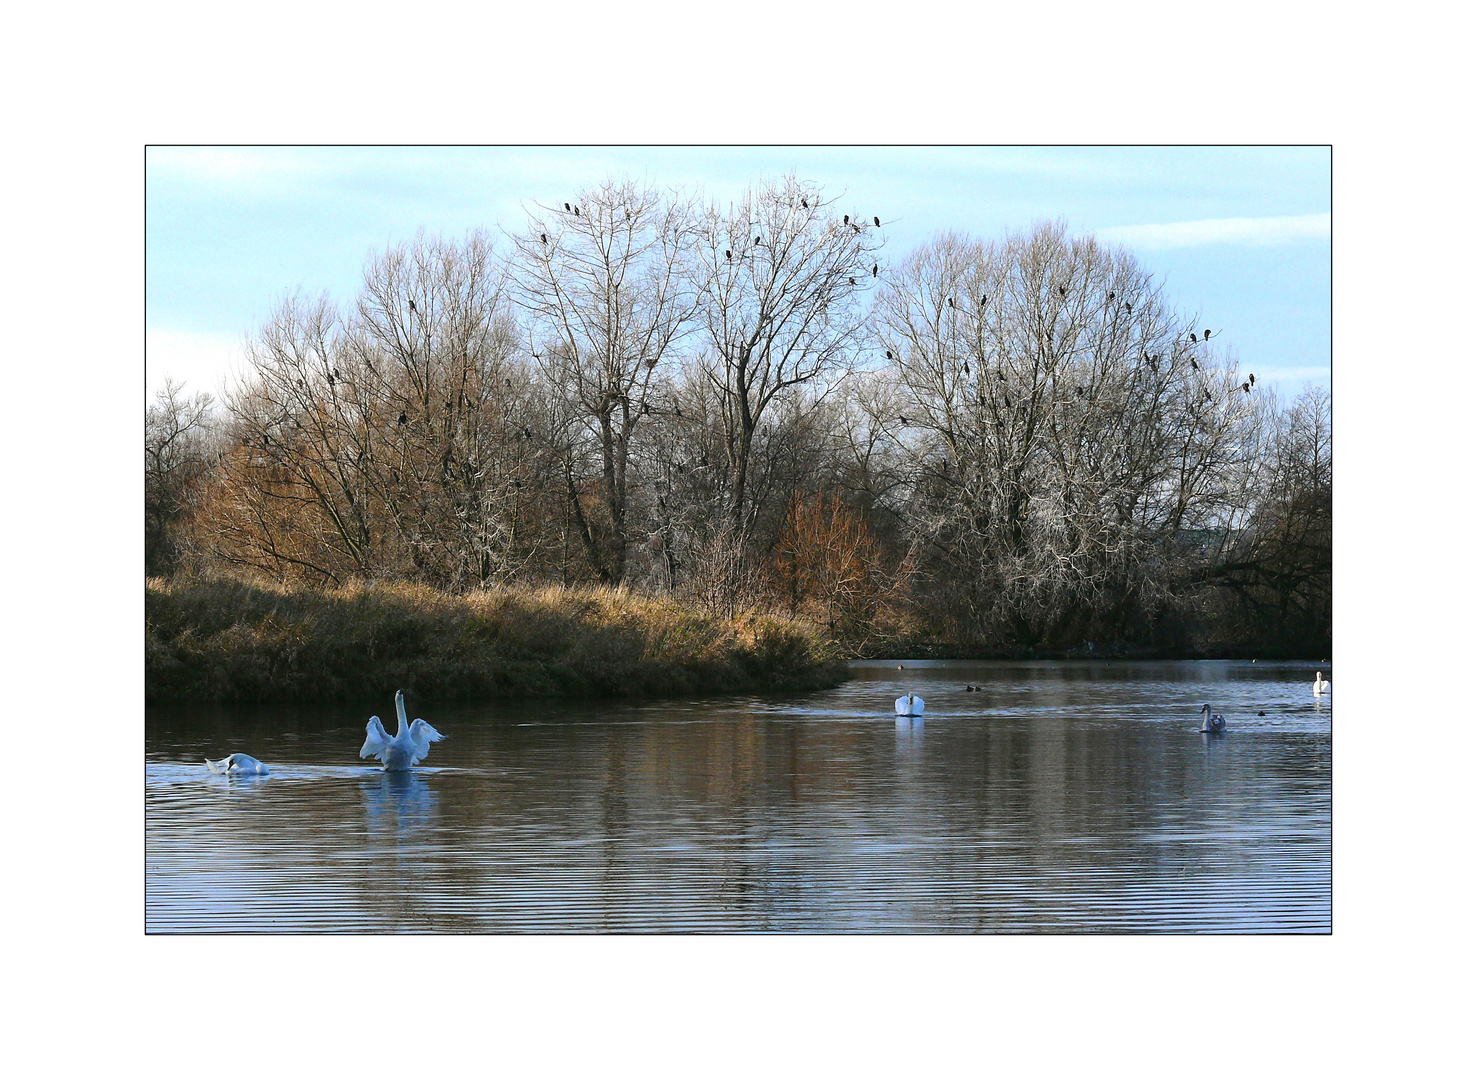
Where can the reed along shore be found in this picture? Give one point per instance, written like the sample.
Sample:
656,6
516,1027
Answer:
221,640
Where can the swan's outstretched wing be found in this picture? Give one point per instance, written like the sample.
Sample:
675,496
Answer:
423,735
218,767
377,741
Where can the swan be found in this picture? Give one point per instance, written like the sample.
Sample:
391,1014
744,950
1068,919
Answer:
409,745
237,765
910,705
1211,722
1321,685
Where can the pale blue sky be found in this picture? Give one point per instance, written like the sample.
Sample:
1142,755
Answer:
1240,235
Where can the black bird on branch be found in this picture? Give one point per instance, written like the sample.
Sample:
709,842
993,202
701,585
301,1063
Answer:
877,221
1111,298
1251,378
966,367
758,241
1207,335
1194,366
851,281
874,269
1128,308
889,353
1193,337
728,254
803,204
566,206
412,305
1246,386
576,211
903,420
1062,289
402,418
544,237
1081,390
846,219
1207,394
951,301
984,299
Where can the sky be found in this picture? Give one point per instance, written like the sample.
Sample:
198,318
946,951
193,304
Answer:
1238,235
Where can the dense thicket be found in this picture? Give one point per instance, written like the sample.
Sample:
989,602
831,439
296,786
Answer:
1013,444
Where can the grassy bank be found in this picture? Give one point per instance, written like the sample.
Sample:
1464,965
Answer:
223,640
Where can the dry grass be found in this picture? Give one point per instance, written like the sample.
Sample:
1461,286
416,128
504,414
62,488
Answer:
214,639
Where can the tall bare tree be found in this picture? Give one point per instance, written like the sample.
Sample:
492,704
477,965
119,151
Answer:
606,303
783,279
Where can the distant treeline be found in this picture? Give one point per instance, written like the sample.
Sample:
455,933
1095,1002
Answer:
986,446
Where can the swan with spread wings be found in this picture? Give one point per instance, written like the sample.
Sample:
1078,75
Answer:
411,743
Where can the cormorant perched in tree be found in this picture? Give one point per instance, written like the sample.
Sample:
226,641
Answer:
1193,337
984,298
803,204
1111,298
402,418
874,269
728,253
951,301
846,219
877,221
1251,379
1194,366
1207,394
566,206
544,237
1207,335
1062,289
576,211
889,353
966,367
1246,386
851,280
1128,308
1081,390
412,305
903,420
758,241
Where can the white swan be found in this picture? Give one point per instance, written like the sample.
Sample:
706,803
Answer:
910,705
237,765
1321,685
1211,722
409,745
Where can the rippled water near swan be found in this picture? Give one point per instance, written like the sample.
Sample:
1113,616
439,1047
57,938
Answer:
1061,797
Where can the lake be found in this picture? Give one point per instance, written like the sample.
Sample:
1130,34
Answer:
1062,797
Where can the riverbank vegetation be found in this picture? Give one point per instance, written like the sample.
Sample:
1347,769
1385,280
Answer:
227,640
748,412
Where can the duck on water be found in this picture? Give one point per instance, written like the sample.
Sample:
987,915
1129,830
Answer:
411,742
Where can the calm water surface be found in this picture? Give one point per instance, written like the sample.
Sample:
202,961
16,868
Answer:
1063,797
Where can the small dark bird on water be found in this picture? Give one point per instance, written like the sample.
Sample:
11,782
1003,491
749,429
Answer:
1261,712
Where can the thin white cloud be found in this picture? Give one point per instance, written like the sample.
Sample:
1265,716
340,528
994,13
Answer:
1252,232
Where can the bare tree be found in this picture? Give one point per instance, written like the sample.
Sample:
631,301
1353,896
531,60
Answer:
1061,423
600,283
177,459
782,283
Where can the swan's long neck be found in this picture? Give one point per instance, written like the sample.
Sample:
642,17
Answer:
400,712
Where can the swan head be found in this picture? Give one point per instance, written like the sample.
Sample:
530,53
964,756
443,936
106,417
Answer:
1205,708
400,708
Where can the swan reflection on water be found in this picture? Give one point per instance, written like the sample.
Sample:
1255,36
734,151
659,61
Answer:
398,805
